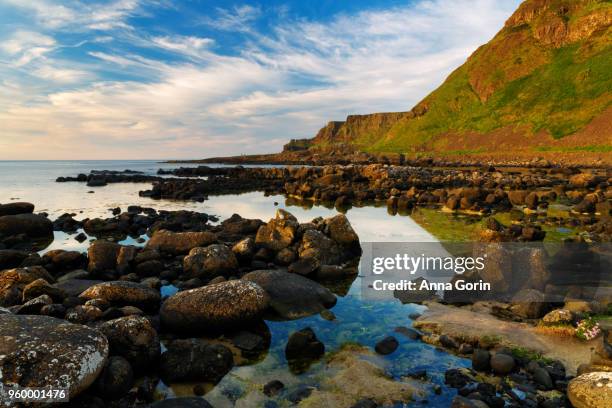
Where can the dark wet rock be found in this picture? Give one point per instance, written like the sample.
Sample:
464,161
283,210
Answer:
235,303
13,282
41,351
33,306
448,342
502,364
410,333
542,378
481,360
305,266
115,380
16,208
292,296
177,243
244,249
83,314
304,344
134,338
123,293
341,231
59,260
214,260
31,226
279,233
273,387
102,256
11,258
53,310
462,402
252,343
75,286
149,268
328,315
195,360
456,378
182,402
387,345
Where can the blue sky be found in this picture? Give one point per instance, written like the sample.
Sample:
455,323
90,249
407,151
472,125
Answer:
168,79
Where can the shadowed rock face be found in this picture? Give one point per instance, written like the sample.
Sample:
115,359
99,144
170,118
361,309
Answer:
41,351
122,293
217,306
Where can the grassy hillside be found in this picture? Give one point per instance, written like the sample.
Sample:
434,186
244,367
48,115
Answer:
545,76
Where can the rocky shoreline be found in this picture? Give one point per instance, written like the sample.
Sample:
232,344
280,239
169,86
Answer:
204,290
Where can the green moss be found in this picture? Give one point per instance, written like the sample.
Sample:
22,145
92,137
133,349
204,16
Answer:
523,353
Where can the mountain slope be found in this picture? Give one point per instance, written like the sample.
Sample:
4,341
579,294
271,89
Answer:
544,82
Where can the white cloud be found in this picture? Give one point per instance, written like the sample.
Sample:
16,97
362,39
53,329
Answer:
238,18
283,85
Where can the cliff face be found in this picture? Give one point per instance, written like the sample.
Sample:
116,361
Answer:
537,85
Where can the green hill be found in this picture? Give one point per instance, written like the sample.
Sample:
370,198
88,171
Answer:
543,83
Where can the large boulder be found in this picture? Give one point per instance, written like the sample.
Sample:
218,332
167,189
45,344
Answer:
16,208
182,402
134,338
591,390
42,351
103,256
341,231
279,233
195,360
74,286
215,307
11,258
33,225
177,243
317,246
116,378
209,262
292,296
124,293
530,304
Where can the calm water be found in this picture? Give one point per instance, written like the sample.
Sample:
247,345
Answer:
358,320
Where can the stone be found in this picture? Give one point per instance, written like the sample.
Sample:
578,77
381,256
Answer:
502,364
387,345
410,333
41,287
244,249
481,360
32,225
292,296
341,231
116,379
177,243
16,208
182,402
209,262
529,304
42,351
304,344
558,316
124,293
279,232
591,390
273,387
11,258
219,306
542,378
195,360
134,338
102,256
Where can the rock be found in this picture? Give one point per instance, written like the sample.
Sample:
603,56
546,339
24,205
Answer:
558,316
387,345
279,233
124,293
315,245
304,344
149,268
102,256
215,307
481,360
34,306
74,287
11,258
41,287
292,296
273,387
244,249
34,226
13,282
177,243
116,379
300,393
365,403
448,342
502,364
250,343
462,402
134,338
583,180
341,231
214,260
412,334
195,360
42,351
542,378
182,402
16,208
517,197
591,390
530,304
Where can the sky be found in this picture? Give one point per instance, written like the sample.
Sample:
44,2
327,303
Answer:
162,79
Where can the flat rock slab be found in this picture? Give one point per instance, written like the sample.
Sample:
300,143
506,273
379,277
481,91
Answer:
468,324
42,351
